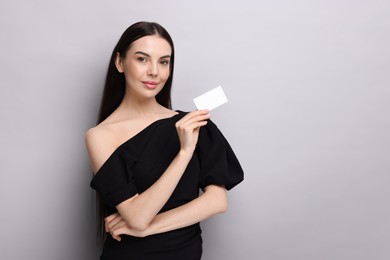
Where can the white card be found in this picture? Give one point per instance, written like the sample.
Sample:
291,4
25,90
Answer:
211,99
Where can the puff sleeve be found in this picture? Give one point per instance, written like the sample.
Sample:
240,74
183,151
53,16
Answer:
218,163
114,181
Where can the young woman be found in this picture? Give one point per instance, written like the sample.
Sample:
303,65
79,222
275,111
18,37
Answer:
149,161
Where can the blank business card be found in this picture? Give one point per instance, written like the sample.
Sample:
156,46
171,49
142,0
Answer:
211,99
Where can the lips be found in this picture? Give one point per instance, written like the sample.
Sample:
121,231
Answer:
150,84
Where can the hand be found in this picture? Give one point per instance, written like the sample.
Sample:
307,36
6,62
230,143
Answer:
188,129
116,226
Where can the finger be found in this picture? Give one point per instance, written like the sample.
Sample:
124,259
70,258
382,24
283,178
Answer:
198,118
196,112
116,237
108,220
111,217
189,123
198,115
192,126
118,225
120,231
193,114
111,221
197,123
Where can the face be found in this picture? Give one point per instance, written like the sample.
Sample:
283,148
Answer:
146,66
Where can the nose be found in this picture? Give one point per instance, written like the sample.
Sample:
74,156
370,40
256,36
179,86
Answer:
153,69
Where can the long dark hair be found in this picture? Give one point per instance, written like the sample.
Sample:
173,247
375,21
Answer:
115,85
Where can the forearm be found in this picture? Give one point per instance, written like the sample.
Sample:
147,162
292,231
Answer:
210,203
139,211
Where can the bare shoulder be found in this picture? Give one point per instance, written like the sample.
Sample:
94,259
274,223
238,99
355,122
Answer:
103,139
95,134
100,144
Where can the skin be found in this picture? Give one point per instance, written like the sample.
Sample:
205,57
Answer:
146,69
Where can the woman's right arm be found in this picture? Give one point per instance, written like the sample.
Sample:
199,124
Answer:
139,210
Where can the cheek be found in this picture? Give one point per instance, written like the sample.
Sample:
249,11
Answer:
132,69
132,72
165,74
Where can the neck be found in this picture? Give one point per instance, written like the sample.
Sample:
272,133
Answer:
132,106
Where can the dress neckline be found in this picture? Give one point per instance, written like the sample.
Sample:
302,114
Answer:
137,134
146,128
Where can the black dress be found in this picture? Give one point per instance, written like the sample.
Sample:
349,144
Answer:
137,163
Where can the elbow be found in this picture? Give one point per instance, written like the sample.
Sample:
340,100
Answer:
221,201
140,227
136,221
223,205
218,198
138,224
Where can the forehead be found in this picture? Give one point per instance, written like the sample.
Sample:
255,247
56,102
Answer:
152,45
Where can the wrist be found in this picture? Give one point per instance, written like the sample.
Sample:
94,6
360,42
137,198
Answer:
185,154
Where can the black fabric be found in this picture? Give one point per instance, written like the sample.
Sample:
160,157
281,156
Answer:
218,163
136,164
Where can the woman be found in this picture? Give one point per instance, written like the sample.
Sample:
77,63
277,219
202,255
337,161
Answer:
150,161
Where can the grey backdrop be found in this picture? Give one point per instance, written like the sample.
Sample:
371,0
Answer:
308,116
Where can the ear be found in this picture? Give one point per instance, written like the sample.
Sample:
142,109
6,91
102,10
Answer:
119,63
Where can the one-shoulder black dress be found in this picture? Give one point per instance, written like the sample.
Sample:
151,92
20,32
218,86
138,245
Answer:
137,163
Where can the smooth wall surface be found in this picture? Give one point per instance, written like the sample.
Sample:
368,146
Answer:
308,116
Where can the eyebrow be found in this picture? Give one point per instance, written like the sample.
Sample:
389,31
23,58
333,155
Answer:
145,54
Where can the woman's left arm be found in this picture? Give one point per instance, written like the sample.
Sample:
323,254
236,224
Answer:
213,201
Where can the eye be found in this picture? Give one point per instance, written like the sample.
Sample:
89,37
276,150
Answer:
164,62
142,59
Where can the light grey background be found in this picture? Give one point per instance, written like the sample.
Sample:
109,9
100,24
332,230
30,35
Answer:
308,116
